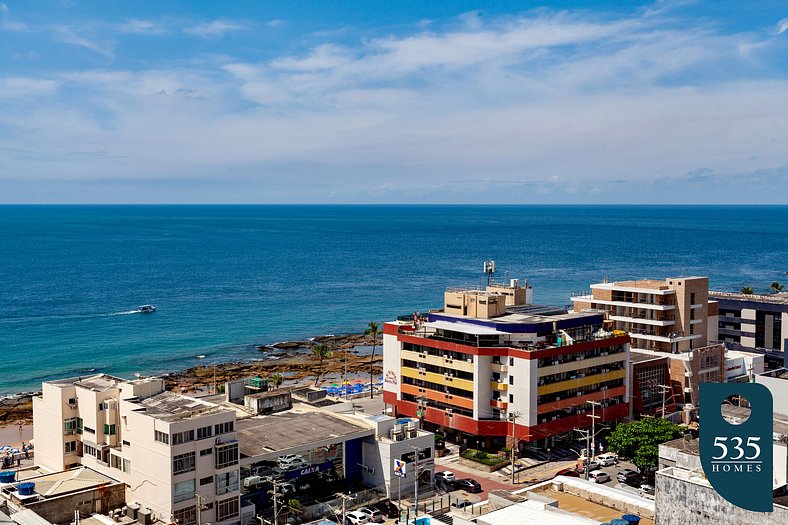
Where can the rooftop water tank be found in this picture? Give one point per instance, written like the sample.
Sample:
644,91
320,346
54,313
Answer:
631,519
7,477
26,489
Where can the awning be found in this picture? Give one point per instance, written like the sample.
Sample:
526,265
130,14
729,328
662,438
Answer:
465,328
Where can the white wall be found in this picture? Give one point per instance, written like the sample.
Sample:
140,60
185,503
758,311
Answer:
391,364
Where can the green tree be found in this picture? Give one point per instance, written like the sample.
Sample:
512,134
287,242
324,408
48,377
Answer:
776,287
372,331
747,290
640,440
321,351
277,379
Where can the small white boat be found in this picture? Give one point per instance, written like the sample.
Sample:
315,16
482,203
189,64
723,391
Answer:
200,356
146,309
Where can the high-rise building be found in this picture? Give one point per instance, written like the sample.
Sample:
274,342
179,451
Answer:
754,321
484,369
178,456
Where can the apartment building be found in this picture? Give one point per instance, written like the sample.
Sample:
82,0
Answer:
481,370
673,315
178,456
753,321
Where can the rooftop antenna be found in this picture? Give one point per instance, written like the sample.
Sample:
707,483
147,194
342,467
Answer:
489,271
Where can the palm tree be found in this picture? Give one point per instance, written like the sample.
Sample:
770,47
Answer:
372,331
321,351
747,290
276,379
776,287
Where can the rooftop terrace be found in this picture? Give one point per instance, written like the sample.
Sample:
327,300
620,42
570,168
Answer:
171,407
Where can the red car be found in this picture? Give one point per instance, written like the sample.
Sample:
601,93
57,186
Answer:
572,473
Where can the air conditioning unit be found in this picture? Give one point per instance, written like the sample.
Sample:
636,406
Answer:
449,411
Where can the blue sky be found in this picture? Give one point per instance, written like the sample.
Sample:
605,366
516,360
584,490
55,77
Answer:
393,102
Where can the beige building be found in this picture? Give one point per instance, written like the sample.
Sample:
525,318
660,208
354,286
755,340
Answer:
673,315
178,456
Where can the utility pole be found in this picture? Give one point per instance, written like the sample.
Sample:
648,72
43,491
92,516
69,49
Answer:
344,498
513,417
276,503
593,417
416,476
664,389
588,441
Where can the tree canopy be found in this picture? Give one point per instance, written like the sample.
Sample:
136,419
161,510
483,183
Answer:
640,440
747,290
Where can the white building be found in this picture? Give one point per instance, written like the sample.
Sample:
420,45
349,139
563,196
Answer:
178,456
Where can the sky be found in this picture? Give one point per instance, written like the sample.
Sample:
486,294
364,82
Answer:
395,101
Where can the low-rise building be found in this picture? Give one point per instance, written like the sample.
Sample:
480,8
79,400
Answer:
754,321
178,456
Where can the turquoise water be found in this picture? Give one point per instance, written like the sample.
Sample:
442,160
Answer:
226,278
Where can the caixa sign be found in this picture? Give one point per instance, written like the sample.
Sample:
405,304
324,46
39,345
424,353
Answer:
312,469
737,455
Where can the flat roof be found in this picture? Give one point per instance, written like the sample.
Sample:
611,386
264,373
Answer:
777,298
68,481
263,435
636,356
589,509
171,407
466,328
97,382
533,512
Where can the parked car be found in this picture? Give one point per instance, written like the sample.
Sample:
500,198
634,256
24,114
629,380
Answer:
627,476
387,508
647,489
446,475
291,462
285,488
607,460
462,504
356,518
592,465
373,515
598,476
572,473
468,485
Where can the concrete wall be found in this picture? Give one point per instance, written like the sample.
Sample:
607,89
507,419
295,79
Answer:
391,364
61,509
777,386
682,502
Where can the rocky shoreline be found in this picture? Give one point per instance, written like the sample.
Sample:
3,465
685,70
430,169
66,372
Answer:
291,359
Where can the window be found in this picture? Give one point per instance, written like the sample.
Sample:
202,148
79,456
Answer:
183,491
182,437
227,482
126,466
692,314
115,461
89,430
206,481
71,446
103,406
109,430
161,437
511,379
204,432
226,455
187,516
206,452
223,428
227,509
511,361
70,425
183,463
72,401
511,398
126,443
88,450
692,298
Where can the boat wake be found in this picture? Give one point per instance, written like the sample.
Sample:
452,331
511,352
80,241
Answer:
128,312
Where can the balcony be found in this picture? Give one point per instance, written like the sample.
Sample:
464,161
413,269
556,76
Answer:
501,387
438,361
497,403
642,319
499,367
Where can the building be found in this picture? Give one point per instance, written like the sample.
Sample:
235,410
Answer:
651,392
178,456
753,321
673,315
482,371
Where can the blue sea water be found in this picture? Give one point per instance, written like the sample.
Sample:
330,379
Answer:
227,278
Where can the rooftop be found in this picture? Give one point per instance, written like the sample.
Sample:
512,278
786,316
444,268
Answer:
636,356
776,298
68,481
174,407
96,382
292,430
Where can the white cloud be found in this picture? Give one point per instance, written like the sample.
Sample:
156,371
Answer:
276,22
141,27
68,35
25,88
539,104
782,27
215,28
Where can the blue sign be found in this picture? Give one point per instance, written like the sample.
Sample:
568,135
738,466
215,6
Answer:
737,458
311,469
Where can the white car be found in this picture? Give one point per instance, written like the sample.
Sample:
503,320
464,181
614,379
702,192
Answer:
291,461
598,476
446,475
252,482
356,518
373,515
607,460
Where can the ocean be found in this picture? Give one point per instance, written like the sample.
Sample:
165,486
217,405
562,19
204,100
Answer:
228,278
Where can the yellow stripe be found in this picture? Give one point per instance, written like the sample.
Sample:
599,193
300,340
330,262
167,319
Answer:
438,379
580,382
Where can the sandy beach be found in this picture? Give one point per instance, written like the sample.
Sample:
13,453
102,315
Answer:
15,435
